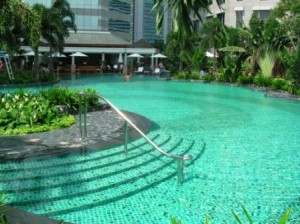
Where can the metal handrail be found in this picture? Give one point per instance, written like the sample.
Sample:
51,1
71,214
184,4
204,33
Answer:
180,159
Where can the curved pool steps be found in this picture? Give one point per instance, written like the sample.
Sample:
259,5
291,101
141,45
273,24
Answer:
94,186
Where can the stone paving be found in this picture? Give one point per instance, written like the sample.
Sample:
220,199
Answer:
104,129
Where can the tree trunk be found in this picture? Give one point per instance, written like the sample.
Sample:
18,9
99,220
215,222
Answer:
50,65
36,66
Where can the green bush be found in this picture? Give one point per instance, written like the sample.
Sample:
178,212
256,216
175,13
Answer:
208,77
245,80
279,84
62,96
262,81
23,112
180,75
298,92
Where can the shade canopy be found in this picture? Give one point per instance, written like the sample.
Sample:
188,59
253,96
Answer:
135,55
30,53
78,54
159,55
58,55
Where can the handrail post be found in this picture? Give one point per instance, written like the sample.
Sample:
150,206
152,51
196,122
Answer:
180,169
80,115
125,137
84,117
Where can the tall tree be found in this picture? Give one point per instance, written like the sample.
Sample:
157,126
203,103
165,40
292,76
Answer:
182,11
14,15
55,24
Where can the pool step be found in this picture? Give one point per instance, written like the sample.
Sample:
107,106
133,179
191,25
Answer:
75,183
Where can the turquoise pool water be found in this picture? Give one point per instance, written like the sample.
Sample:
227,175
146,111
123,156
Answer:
246,150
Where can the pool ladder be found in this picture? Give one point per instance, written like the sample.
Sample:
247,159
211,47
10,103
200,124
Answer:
83,97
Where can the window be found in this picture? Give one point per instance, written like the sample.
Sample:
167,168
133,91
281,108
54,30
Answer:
221,17
196,25
239,15
262,14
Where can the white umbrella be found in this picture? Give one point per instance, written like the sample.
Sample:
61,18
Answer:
58,55
135,55
78,54
31,53
159,55
120,60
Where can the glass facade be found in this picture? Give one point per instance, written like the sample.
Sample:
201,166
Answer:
149,25
101,15
47,3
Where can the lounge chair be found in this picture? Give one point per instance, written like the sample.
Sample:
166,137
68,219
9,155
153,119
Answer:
157,71
140,70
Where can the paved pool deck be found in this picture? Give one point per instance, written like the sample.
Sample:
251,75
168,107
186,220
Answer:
105,129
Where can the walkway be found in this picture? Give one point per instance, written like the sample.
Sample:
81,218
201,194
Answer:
105,129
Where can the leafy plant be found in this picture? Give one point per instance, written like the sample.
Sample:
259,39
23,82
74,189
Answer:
279,84
245,80
266,64
175,221
2,211
23,112
262,81
61,96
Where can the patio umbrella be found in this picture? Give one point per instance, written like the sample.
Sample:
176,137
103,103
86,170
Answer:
31,53
156,56
58,55
120,60
77,54
135,55
159,55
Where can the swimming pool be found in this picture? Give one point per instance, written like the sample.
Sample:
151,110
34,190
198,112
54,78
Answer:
245,148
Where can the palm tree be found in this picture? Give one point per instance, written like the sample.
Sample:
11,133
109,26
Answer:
16,15
213,35
55,24
182,11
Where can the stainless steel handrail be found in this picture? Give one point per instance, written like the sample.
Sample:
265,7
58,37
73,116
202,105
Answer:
180,159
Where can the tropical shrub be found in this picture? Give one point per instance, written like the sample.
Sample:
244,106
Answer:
208,77
192,75
262,81
61,96
23,77
180,75
23,112
2,211
279,84
245,80
266,64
